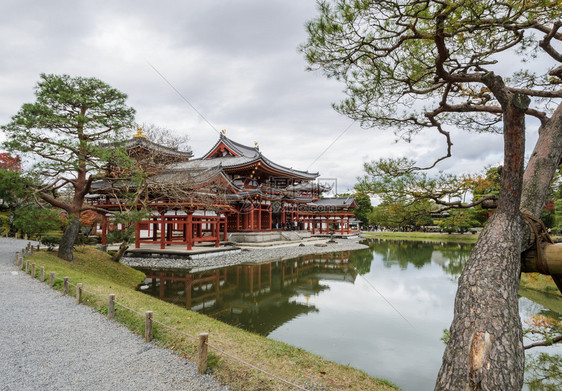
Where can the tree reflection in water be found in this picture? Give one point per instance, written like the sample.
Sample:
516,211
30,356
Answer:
451,256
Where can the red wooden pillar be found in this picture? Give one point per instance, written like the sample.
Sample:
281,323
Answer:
200,228
104,230
225,233
154,230
238,221
189,231
162,230
259,216
341,228
348,224
252,216
169,232
137,234
216,230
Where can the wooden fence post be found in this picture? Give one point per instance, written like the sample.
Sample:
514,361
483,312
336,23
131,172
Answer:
111,307
148,326
52,280
203,347
42,273
18,258
65,286
78,293
27,266
33,270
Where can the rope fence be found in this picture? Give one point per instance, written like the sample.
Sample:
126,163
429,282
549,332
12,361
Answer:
202,338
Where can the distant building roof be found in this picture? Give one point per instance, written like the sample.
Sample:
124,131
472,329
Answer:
335,202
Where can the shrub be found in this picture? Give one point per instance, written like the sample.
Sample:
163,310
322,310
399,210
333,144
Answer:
51,242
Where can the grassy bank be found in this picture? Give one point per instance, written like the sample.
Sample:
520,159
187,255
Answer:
530,282
425,236
541,289
100,276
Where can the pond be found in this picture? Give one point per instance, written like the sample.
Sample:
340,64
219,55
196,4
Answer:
382,310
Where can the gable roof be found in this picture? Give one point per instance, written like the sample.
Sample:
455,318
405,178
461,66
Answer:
240,156
235,148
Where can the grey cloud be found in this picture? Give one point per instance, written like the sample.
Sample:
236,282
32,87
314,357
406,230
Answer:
235,61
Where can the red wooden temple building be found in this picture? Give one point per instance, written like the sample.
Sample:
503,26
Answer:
236,192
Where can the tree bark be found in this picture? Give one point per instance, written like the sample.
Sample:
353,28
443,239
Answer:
485,351
119,254
11,218
66,246
542,164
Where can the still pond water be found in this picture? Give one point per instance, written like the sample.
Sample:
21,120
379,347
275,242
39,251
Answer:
382,310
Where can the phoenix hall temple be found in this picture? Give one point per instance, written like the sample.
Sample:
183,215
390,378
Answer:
237,195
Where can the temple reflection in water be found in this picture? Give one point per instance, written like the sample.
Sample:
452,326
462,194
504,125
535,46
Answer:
255,297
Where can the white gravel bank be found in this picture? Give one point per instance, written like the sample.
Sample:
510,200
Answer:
50,343
247,255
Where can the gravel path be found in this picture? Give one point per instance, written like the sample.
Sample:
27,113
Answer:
247,255
49,343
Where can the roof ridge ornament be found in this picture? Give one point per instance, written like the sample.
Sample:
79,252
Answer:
139,133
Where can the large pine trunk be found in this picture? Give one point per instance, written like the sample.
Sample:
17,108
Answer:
485,350
69,237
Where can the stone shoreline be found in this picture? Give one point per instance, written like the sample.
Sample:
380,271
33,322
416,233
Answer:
245,256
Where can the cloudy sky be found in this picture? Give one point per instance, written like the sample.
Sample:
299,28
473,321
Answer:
236,62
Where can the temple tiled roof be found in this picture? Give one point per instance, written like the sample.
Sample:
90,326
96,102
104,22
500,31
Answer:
142,142
245,155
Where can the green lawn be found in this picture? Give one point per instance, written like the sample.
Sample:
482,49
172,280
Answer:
426,236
